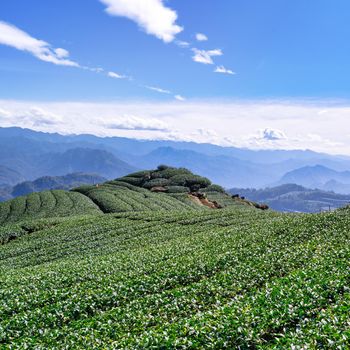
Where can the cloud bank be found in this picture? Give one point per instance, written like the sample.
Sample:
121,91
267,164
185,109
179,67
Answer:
281,124
152,16
20,40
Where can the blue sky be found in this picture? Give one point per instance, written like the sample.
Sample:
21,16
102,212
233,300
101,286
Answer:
276,48
289,52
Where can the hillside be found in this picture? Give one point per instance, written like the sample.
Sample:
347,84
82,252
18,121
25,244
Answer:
225,279
164,259
46,204
294,198
164,189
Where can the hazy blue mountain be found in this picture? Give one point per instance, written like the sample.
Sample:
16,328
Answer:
9,176
85,160
337,187
142,147
294,198
35,154
5,193
223,170
316,176
65,182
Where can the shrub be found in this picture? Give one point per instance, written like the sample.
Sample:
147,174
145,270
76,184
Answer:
156,183
213,188
177,189
194,182
135,181
170,172
142,174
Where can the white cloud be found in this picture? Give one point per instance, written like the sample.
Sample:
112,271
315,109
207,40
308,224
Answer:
20,40
61,53
201,37
205,57
269,124
151,15
183,44
223,70
92,69
157,89
130,122
40,116
116,75
179,98
272,134
4,113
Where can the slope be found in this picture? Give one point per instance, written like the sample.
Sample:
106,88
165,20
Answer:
225,279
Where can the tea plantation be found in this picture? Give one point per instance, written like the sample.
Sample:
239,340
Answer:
181,278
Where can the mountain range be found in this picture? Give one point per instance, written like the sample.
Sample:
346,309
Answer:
26,155
46,183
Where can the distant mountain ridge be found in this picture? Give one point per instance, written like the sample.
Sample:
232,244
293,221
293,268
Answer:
319,177
65,182
9,176
34,154
47,183
295,198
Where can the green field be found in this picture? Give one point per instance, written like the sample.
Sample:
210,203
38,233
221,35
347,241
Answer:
181,278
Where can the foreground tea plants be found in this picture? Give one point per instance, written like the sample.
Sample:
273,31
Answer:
46,204
235,278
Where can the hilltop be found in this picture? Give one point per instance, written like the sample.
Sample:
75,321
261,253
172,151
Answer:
165,188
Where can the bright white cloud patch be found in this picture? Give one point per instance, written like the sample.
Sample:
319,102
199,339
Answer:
157,89
201,37
151,15
20,40
223,70
205,57
116,75
179,98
